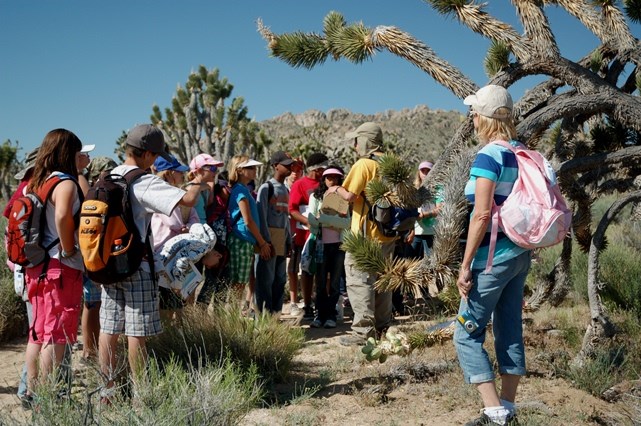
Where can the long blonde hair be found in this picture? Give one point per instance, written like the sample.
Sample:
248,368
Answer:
233,167
490,129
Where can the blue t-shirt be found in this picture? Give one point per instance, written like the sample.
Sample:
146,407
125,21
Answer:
239,227
497,164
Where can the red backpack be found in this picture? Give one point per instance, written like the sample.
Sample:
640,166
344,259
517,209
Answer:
25,229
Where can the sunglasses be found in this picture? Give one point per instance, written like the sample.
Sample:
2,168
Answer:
211,168
250,168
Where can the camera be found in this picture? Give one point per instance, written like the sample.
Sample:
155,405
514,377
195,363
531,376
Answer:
468,322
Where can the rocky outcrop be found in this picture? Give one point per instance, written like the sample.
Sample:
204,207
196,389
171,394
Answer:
416,133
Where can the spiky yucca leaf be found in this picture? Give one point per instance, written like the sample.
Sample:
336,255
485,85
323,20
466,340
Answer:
378,192
367,252
633,10
353,43
408,196
299,49
422,339
402,274
497,58
450,298
638,80
333,24
596,61
445,7
394,170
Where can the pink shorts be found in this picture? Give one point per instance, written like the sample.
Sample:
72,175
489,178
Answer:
56,303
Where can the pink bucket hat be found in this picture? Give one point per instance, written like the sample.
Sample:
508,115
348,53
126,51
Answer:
204,160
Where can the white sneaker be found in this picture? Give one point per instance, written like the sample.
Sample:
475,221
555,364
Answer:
330,324
294,310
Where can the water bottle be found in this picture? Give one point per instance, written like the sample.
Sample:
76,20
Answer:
121,263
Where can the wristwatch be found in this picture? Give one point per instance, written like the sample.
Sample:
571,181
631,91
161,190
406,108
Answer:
66,255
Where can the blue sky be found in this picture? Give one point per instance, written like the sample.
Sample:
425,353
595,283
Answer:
97,68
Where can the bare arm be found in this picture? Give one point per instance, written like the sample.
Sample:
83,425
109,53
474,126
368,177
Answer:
245,211
62,198
193,192
481,216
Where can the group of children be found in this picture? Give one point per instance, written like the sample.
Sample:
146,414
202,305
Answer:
215,226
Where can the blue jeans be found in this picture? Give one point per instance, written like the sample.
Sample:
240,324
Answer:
497,296
331,269
271,276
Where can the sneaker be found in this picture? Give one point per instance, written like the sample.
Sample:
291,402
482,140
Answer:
352,340
294,310
484,420
308,313
330,324
316,323
26,401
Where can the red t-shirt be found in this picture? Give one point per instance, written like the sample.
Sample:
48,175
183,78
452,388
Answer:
298,200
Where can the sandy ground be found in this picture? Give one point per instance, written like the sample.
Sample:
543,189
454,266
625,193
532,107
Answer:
352,391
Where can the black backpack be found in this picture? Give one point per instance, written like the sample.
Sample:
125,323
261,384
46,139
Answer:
391,221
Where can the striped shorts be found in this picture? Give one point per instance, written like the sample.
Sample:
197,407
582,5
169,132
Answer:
131,307
241,259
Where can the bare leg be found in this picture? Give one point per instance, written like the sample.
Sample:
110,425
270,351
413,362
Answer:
137,355
107,350
50,356
488,394
31,360
293,287
90,330
509,384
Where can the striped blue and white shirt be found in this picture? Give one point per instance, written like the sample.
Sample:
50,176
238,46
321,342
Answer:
497,164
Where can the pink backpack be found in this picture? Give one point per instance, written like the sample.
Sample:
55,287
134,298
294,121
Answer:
535,214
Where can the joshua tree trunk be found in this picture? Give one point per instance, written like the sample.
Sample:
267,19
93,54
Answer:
600,328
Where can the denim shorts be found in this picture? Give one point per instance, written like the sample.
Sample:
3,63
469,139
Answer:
497,296
91,292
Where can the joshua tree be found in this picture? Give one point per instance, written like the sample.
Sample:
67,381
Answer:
593,93
9,165
199,120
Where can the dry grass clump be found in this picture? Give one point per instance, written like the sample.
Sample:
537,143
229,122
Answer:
204,335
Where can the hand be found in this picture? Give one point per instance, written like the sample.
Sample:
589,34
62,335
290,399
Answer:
265,251
410,237
464,282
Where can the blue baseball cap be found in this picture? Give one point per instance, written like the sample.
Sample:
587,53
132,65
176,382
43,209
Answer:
161,164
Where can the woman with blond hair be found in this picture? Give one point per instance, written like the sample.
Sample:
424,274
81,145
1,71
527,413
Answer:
54,287
495,291
245,231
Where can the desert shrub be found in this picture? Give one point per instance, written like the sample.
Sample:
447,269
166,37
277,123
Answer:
167,395
598,374
203,335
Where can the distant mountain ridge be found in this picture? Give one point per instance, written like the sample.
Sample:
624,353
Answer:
417,133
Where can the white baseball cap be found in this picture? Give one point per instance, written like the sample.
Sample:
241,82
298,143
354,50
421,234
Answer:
488,99
88,148
249,163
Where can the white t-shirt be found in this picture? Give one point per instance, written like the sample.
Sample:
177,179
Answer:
151,195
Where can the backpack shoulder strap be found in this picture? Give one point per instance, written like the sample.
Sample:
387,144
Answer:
270,189
134,174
